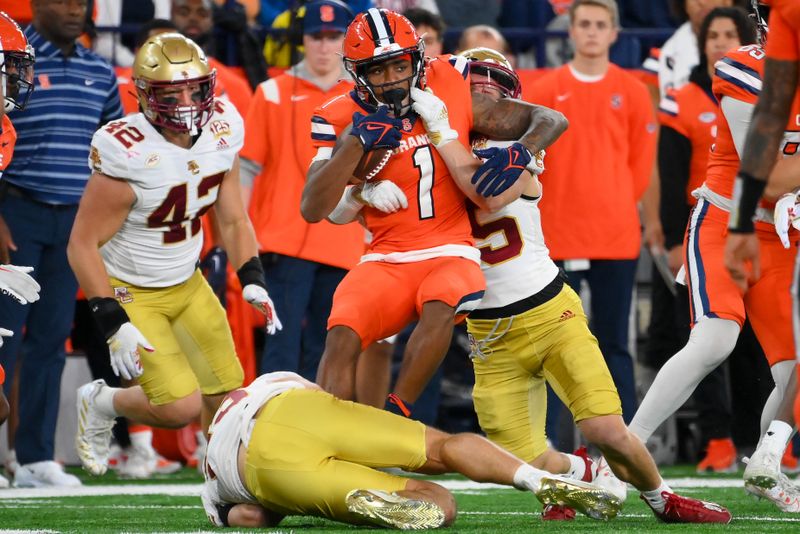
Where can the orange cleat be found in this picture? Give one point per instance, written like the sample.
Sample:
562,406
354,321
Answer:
720,457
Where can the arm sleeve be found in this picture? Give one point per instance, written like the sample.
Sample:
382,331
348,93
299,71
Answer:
347,209
738,115
674,157
641,139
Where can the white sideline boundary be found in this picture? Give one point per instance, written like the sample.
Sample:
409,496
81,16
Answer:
190,490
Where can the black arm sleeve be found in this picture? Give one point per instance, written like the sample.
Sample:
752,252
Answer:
674,157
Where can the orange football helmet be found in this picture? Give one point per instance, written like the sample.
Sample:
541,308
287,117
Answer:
16,64
378,35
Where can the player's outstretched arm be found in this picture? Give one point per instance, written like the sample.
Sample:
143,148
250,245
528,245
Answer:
104,206
509,119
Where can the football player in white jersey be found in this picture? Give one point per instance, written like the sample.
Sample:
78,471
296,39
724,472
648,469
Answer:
282,446
136,243
530,328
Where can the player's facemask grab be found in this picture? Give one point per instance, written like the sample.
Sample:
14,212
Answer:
377,37
174,83
16,65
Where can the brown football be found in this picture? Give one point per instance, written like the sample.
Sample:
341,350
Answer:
371,162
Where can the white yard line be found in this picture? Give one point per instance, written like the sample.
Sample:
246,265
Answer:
190,490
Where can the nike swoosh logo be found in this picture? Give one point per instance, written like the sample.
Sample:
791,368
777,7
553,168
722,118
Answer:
561,98
88,82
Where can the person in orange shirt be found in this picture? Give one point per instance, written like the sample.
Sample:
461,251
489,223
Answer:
596,175
422,262
688,117
303,262
193,19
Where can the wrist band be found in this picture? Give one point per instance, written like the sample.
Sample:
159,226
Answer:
747,191
108,314
223,510
252,272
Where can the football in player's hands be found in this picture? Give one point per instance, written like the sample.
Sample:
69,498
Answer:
370,164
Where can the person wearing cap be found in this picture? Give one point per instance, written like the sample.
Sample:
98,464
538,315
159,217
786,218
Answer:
303,262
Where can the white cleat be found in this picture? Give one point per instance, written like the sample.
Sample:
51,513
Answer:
140,462
784,494
606,479
762,470
589,499
393,511
46,474
93,439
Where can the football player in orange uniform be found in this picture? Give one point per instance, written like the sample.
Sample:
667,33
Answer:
421,262
16,86
768,137
717,305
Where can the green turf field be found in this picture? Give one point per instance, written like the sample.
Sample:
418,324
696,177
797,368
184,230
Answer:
174,508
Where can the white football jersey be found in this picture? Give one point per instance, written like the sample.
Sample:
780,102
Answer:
159,243
232,426
514,257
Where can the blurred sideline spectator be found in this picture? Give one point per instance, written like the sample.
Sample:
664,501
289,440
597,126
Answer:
679,54
236,43
464,13
118,47
270,9
193,19
303,263
612,126
251,8
482,35
285,49
430,28
76,92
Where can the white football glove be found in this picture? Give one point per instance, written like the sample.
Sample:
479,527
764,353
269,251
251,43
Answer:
536,166
4,332
18,284
124,349
787,213
259,298
384,195
433,112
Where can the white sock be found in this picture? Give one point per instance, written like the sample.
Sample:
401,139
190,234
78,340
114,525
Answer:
105,401
529,478
577,467
655,497
142,439
776,438
710,342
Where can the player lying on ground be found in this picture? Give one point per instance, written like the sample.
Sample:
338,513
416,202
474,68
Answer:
282,446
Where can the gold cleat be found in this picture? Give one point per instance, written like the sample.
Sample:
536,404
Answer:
393,511
588,499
